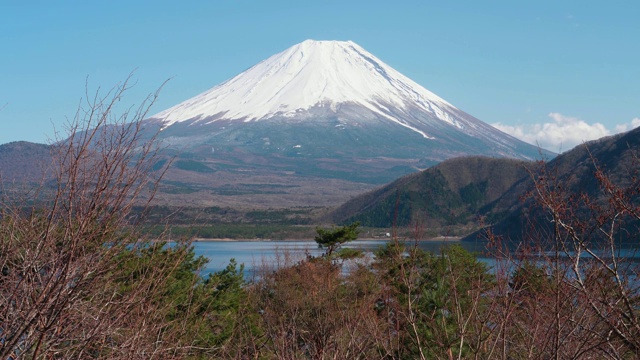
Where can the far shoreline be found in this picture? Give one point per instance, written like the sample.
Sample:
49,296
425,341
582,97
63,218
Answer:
435,239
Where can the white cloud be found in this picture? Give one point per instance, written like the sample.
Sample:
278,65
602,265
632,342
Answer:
626,127
564,132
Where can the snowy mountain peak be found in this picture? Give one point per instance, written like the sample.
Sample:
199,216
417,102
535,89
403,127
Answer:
312,73
319,110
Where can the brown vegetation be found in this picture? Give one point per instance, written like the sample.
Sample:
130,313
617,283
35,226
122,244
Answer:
70,285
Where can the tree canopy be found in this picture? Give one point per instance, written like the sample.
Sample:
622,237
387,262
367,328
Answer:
332,239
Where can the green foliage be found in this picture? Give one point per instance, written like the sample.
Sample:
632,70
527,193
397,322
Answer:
211,313
474,194
449,296
235,231
349,253
333,238
224,222
440,294
223,311
135,263
279,216
450,194
531,279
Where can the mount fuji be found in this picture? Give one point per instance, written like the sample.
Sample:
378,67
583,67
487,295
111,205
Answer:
315,74
323,110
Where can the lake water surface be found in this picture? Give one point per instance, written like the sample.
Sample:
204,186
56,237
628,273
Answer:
255,253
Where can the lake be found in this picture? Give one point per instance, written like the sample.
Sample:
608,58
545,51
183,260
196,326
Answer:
254,254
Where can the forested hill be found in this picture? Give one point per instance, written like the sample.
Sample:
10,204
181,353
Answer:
578,180
453,192
459,196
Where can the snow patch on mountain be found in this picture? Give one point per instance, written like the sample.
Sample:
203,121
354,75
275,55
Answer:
311,74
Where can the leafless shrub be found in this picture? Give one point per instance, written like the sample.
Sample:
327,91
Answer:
309,309
68,288
570,290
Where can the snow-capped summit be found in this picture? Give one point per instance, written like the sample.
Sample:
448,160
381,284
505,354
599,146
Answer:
312,73
326,109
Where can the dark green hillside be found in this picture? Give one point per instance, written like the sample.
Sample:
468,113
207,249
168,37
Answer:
572,175
454,192
450,197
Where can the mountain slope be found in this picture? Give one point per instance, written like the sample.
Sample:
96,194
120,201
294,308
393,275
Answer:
452,193
325,110
339,81
450,197
22,161
574,171
319,122
312,73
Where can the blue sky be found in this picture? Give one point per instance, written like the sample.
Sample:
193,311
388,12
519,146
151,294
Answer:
555,72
